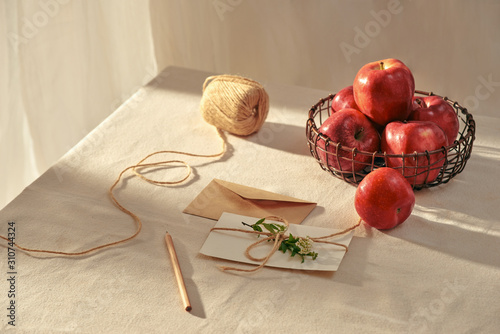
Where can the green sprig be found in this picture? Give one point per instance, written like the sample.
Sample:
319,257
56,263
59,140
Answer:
296,245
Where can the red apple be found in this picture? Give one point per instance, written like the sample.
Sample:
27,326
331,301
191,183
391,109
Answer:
383,90
412,137
351,129
437,110
384,198
344,99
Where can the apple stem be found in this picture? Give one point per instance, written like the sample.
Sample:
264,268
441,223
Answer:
381,65
359,134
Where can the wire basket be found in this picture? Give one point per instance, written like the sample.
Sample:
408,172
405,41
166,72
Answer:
451,159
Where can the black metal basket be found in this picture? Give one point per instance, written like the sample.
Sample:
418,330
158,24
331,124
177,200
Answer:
455,156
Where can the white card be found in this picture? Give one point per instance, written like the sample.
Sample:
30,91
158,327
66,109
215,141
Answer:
231,245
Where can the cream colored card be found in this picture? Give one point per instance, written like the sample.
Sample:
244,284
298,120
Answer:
231,245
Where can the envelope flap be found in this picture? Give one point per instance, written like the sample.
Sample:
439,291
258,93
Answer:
257,194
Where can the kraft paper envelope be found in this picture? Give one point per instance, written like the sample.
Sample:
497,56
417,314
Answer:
221,196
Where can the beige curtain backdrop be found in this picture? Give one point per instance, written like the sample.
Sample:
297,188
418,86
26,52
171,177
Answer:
67,64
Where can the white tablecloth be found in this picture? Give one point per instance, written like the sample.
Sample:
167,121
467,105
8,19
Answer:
438,272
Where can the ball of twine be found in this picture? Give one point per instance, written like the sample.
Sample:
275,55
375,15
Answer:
234,104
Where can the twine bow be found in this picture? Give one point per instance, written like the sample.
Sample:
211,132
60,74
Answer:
278,238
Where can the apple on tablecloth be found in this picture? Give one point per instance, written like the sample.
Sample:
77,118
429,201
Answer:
384,198
351,129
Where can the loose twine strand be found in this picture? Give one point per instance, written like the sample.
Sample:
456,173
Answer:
231,103
137,220
278,238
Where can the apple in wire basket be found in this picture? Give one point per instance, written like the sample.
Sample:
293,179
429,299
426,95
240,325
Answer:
436,109
350,129
344,99
383,90
416,140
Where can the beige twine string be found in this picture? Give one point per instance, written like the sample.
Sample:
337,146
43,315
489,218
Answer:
232,103
278,238
137,220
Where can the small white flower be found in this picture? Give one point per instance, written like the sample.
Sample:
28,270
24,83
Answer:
305,245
